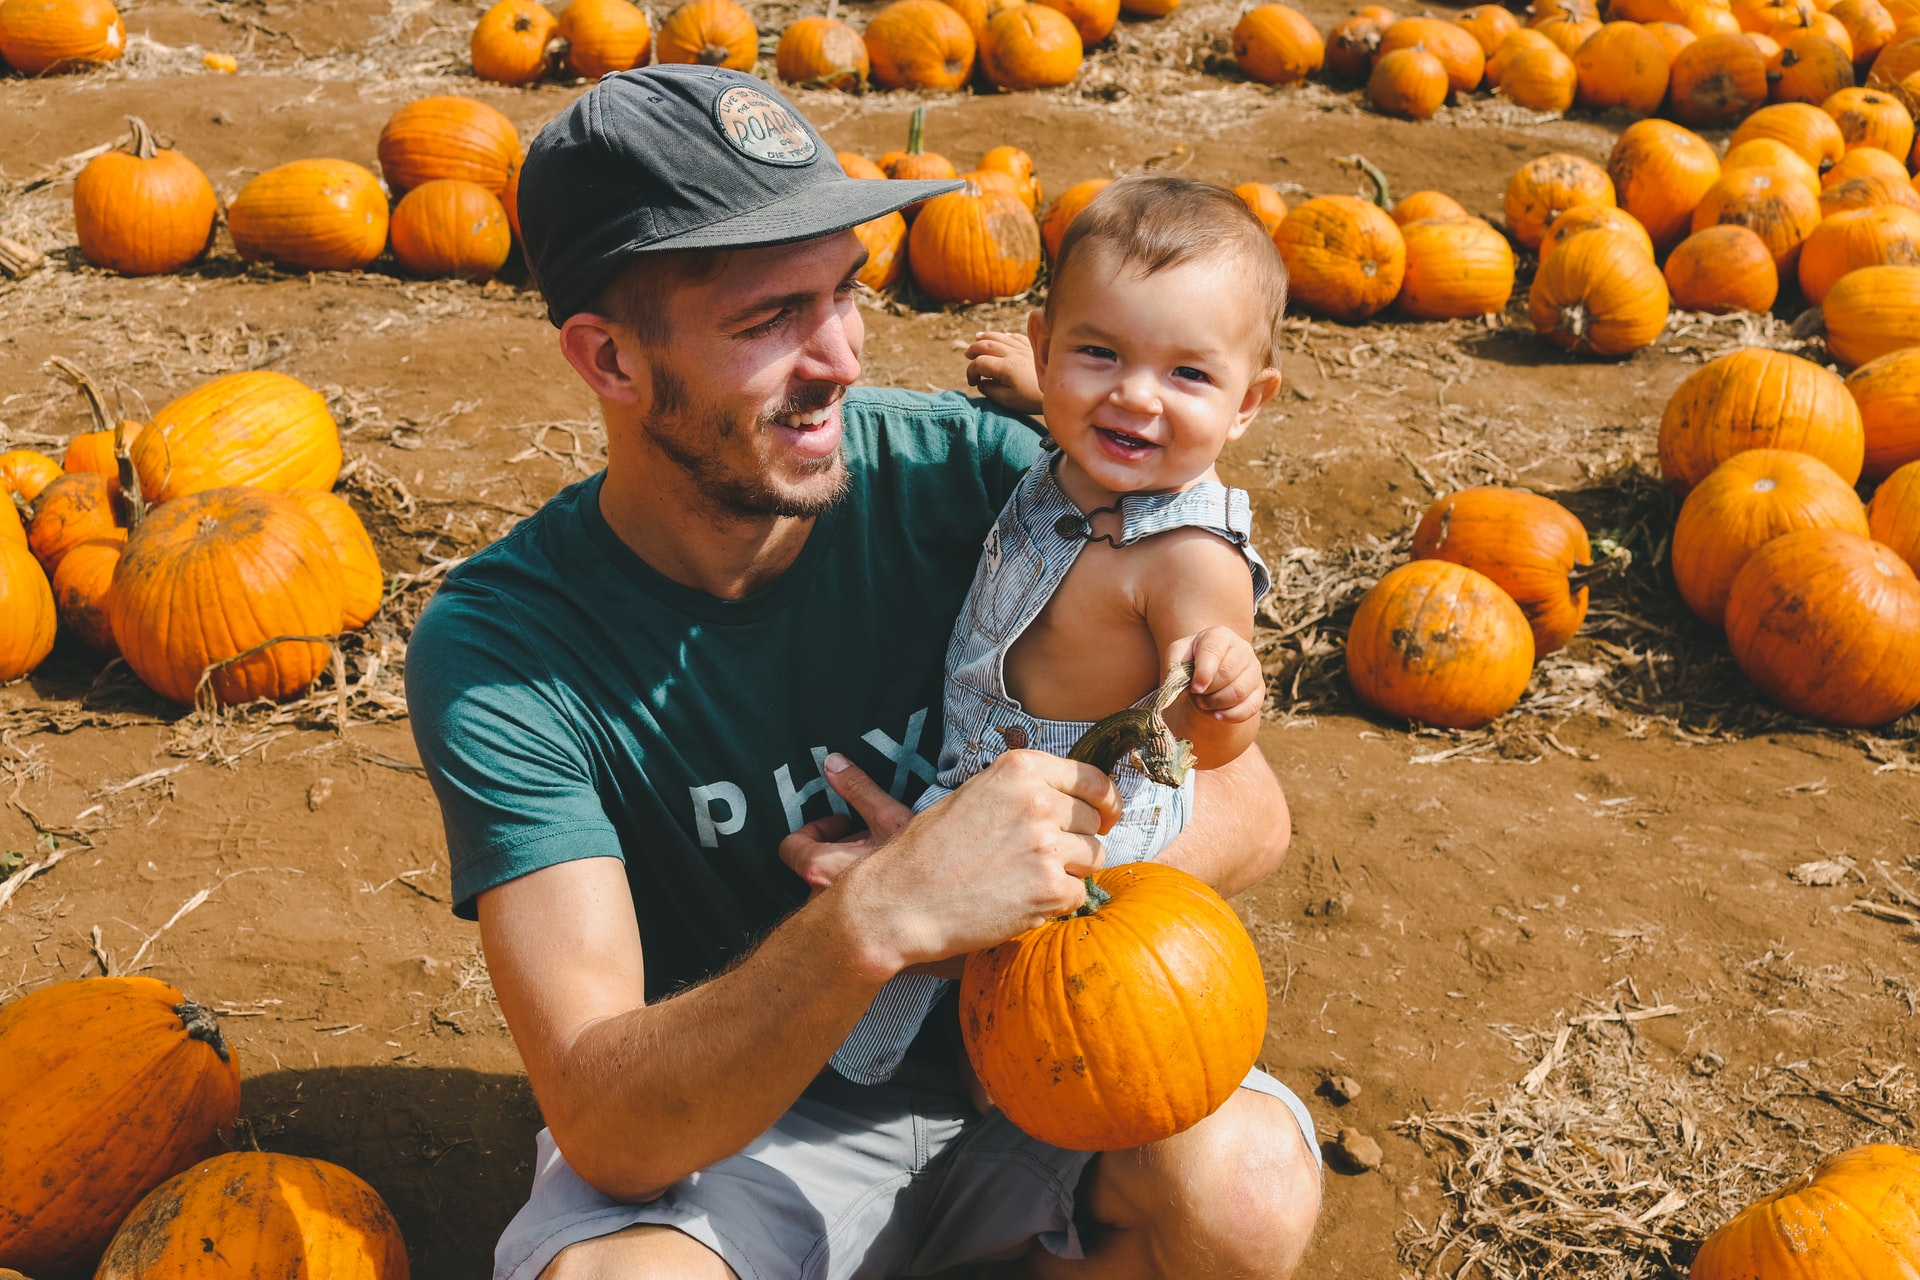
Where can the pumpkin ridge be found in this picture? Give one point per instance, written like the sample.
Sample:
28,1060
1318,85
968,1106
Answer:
1171,995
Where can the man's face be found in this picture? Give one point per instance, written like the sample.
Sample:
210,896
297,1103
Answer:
747,387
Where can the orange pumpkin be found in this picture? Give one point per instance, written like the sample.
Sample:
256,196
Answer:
1345,257
1809,68
24,473
1827,623
974,245
1593,217
1456,268
1551,11
1124,1023
1265,203
1868,26
1673,38
976,13
258,428
1512,47
855,165
1436,642
604,36
1854,239
916,162
1741,505
254,1210
509,44
1540,80
142,209
1490,24
713,33
1718,79
1408,82
1622,65
82,587
1149,8
510,201
1873,191
451,228
1872,311
311,215
1530,547
11,528
1458,51
1065,209
1568,34
1893,517
78,507
1647,12
1721,270
1275,44
1427,204
1807,129
1659,172
824,52
1754,398
39,36
1870,118
1769,47
1774,205
1769,153
1600,293
920,44
1093,19
885,240
1017,165
363,583
1353,44
1543,187
1030,46
1887,390
1862,162
1896,61
1705,20
93,450
117,1085
1854,1214
447,136
27,625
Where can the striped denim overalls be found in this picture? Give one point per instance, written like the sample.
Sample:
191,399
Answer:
1027,554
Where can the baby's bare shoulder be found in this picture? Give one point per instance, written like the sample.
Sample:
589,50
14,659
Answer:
1192,562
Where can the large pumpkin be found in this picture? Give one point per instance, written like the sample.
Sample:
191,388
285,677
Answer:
1893,517
1854,239
214,575
1754,398
1746,502
1531,547
714,33
1888,393
447,136
1121,1025
143,209
1030,46
1872,311
1456,268
1854,1214
1599,293
1827,623
604,36
509,43
38,36
312,215
1622,65
1275,44
449,227
1718,79
1436,642
262,1214
113,1086
1541,188
363,583
974,245
1723,269
1345,257
27,625
257,428
920,44
1659,173
823,52
1810,131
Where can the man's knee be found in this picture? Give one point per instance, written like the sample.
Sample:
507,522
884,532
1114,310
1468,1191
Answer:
639,1253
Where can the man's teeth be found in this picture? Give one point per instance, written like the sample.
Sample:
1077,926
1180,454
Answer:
798,420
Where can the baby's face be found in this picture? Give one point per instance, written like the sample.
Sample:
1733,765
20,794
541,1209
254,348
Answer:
1146,378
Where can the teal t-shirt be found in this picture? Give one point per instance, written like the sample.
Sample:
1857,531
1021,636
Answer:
570,702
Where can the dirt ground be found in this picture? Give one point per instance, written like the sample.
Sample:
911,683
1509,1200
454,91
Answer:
1608,870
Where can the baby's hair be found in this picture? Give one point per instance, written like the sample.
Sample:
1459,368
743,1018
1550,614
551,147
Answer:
1156,221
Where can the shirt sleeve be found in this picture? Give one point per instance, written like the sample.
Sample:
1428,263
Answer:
514,779
1007,445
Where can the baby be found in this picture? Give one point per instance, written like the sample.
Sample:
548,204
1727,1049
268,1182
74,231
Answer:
1120,555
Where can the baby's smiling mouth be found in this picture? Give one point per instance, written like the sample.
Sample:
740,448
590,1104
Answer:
1126,440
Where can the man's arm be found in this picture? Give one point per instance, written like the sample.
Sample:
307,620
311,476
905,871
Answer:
1241,826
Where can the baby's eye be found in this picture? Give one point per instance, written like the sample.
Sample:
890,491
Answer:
1098,353
1191,374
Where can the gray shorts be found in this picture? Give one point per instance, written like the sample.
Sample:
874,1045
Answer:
854,1182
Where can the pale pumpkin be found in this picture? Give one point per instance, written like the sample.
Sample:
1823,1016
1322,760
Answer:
1531,547
1345,257
448,136
1439,643
311,215
259,428
1755,398
974,245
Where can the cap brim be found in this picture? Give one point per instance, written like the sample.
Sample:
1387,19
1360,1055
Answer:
820,210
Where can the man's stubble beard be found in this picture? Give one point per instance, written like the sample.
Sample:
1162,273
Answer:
679,426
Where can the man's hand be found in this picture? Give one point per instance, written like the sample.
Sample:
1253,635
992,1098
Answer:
1227,681
1001,365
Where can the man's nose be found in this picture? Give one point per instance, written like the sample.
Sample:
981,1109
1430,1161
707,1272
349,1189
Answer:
832,351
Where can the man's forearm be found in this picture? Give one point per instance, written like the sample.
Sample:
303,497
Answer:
1240,828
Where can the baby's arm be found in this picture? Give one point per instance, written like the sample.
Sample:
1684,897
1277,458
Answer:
1001,365
1199,606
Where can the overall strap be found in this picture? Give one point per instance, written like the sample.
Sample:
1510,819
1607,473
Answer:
1208,505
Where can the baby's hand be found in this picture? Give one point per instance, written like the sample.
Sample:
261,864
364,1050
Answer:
1001,365
1227,680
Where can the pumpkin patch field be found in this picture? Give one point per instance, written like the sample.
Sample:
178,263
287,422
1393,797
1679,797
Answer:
1591,496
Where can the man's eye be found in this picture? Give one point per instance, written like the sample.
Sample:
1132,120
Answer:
766,327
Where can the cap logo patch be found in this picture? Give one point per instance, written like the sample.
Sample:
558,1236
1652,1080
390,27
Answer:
762,128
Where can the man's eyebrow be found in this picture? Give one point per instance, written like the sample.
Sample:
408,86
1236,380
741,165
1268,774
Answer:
781,301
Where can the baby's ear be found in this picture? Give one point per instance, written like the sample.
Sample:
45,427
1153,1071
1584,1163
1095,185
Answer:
1265,385
1038,334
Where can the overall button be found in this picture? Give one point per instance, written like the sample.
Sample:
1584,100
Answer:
1014,736
1073,527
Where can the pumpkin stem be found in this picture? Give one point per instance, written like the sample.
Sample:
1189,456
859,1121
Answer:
917,132
203,1024
1096,898
132,505
713,55
143,146
1373,175
1610,564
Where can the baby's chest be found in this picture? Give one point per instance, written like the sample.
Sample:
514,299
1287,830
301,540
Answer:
1088,650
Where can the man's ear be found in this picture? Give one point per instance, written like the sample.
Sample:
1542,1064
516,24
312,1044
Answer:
1039,333
1265,385
605,358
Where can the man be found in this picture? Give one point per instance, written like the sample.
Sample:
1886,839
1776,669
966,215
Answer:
649,695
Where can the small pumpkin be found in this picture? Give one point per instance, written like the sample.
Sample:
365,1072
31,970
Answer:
1827,623
448,227
1807,129
311,215
977,12
604,36
1593,217
1436,642
1568,34
82,506
1345,257
448,136
1427,204
1490,24
1540,80
1122,1024
260,428
885,240
118,1084
1512,47
1893,517
855,165
1353,44
82,589
27,626
916,162
1457,268
1706,20
1854,239
1622,65
1455,46
1809,68
509,44
1066,207
1874,190
713,33
1647,12
1887,390
93,450
255,1210
1545,186
1265,203
142,209
1870,118
41,36
1722,270
920,44
1774,205
1718,79
974,245
1770,153
24,473
1659,173
1408,82
1872,311
1754,398
1093,19
1031,46
1863,162
1017,165
1748,500
1530,547
1868,26
1599,293
822,51
1275,44
1673,38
